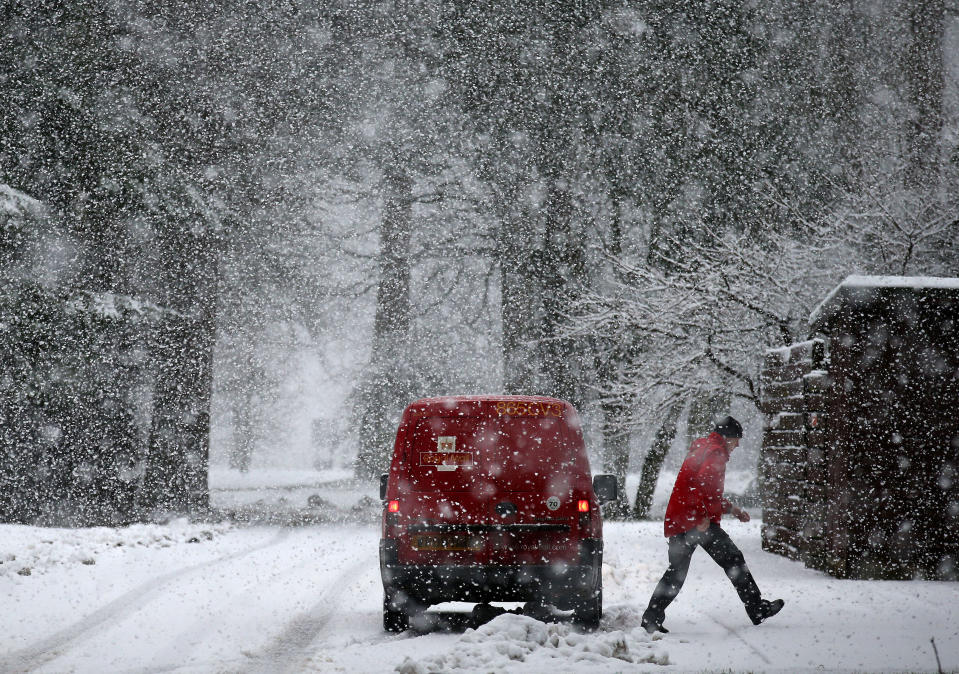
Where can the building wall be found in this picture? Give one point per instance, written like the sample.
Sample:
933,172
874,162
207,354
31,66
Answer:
861,446
789,471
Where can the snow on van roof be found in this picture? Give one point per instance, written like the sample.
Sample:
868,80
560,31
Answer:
502,405
866,287
455,401
483,397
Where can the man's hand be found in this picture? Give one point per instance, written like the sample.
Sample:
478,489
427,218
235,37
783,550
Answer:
703,526
740,514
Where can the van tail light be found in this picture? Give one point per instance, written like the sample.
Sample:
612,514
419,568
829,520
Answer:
392,518
584,514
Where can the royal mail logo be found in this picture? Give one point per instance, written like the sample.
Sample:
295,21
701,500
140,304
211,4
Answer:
446,458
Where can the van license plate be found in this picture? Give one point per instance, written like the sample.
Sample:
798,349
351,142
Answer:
448,542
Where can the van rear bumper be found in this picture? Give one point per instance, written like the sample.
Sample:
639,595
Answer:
562,585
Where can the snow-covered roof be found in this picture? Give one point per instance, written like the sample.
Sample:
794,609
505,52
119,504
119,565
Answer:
16,203
111,305
866,288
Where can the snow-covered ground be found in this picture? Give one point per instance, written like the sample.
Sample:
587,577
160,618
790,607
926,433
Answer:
192,597
292,495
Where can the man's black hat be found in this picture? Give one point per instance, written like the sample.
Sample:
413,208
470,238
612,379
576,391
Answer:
729,427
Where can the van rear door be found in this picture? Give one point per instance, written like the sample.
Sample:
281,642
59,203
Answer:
539,469
449,520
496,489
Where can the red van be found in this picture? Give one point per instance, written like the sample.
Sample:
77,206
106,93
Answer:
489,498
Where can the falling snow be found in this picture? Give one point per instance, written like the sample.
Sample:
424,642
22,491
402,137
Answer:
238,239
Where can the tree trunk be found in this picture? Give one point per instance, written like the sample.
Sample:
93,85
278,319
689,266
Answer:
846,49
563,267
393,308
518,305
653,463
390,380
616,454
179,454
924,72
617,417
245,425
563,271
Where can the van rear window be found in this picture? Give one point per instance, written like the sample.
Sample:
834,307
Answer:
515,453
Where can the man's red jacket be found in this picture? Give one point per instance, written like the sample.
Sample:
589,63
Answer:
698,492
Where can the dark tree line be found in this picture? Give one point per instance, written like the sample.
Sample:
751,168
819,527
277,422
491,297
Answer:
614,203
140,130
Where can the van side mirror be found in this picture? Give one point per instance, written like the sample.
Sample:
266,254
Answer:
384,478
606,488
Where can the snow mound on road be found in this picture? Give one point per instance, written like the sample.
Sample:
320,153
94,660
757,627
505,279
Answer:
29,551
516,642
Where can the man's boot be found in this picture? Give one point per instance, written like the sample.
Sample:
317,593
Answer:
766,609
653,622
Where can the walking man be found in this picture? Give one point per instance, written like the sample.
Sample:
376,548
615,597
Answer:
692,518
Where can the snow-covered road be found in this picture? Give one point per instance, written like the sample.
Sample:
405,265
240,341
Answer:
219,598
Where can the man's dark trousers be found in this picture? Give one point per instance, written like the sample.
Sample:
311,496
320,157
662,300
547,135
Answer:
724,552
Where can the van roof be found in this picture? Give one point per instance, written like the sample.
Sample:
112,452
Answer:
465,404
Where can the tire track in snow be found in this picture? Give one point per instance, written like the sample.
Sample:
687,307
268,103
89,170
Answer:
180,649
286,650
52,647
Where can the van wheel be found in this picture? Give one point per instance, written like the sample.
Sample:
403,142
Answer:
588,611
397,607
